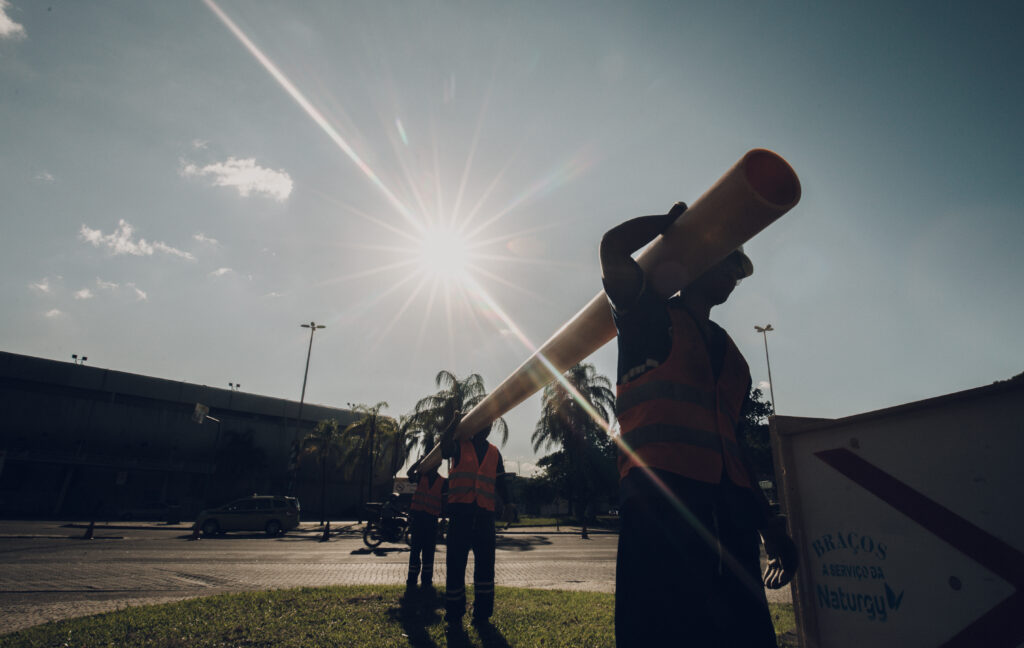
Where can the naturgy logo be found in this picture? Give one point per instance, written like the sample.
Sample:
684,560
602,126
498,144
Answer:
851,571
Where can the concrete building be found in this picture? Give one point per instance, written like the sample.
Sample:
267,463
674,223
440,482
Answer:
81,441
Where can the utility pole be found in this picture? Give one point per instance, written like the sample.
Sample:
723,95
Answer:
771,385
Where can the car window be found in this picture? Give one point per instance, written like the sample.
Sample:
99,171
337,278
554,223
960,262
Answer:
280,503
262,504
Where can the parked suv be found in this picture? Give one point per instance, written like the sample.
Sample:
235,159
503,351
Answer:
272,514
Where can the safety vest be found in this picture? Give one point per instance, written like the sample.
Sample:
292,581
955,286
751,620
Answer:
676,418
427,498
470,482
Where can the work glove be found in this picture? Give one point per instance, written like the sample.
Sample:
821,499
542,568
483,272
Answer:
676,211
448,435
783,559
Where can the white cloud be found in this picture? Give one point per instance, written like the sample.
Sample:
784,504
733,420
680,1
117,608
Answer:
140,294
84,293
167,249
274,295
42,286
203,238
200,143
44,176
220,272
9,28
120,241
106,285
53,313
245,176
764,385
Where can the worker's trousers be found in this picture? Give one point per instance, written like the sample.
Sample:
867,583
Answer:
468,531
424,540
688,572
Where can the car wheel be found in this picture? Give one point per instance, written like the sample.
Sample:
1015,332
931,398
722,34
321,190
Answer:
371,535
273,528
210,528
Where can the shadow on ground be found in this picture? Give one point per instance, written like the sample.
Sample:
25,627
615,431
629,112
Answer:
379,551
524,543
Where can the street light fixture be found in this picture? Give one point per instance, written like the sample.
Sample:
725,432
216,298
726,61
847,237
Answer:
235,386
771,385
77,360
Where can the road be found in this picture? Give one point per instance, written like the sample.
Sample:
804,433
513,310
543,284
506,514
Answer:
48,573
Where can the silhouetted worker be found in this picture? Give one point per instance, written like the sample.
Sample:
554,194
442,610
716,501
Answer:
688,559
475,481
424,511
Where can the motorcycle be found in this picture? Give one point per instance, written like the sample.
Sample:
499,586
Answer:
387,523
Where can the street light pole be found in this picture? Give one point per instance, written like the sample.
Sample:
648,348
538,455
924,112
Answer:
771,385
312,326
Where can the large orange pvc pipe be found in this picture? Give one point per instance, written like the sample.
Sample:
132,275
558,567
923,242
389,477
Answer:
751,195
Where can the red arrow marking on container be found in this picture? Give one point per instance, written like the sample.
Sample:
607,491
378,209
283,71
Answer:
1000,626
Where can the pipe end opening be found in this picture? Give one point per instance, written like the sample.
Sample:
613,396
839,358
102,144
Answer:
772,177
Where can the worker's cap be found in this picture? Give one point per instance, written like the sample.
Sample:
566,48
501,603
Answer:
744,263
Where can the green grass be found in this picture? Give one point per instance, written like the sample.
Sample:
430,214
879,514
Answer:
371,616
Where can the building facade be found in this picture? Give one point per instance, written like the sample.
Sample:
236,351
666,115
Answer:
86,442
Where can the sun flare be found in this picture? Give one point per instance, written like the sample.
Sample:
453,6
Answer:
444,253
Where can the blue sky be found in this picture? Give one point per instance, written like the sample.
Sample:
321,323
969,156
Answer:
169,207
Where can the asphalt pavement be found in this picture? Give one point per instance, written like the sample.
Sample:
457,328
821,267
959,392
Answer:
48,571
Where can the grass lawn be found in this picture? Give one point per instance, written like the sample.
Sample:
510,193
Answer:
372,616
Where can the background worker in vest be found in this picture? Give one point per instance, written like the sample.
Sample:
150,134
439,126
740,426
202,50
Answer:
688,565
475,481
425,509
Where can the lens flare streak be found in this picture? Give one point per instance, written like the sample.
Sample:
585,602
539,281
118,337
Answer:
313,113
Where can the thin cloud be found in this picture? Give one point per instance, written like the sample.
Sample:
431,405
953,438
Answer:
273,295
764,385
200,143
9,28
140,295
220,272
44,177
203,238
84,293
42,286
118,289
55,312
245,176
121,241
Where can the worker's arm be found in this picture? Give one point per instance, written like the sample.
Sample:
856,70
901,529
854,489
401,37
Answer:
783,558
622,276
501,482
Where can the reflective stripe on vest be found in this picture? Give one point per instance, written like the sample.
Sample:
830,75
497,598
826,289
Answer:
473,483
676,418
427,498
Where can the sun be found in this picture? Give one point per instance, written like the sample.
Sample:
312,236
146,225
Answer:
444,253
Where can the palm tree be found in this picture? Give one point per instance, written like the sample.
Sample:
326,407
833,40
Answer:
568,420
323,442
432,414
367,437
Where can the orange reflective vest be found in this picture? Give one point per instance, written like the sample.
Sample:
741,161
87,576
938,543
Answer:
427,498
676,418
470,482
